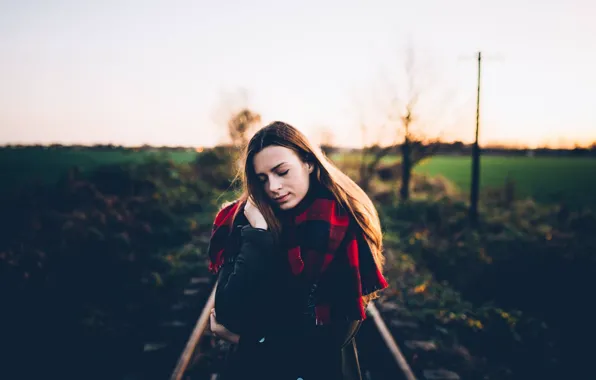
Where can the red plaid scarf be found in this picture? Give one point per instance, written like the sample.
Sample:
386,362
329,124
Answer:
325,248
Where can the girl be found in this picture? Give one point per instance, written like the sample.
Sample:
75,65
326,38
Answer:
299,256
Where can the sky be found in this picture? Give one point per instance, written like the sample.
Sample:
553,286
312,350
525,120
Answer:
163,72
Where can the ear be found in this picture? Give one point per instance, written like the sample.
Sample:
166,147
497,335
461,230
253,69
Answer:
310,167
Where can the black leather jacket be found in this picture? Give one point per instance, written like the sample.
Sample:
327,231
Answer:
258,298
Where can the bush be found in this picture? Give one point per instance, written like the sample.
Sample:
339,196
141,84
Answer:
217,167
533,263
87,265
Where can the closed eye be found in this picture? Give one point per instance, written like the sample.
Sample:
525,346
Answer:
264,179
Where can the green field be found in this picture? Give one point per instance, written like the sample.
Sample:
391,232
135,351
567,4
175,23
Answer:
20,166
547,179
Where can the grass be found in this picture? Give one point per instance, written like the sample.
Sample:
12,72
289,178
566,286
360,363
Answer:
547,179
19,166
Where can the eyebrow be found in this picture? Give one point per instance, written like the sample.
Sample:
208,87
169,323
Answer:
273,168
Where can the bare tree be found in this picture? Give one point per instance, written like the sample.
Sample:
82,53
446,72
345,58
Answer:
242,125
407,118
235,113
395,117
406,114
371,156
378,136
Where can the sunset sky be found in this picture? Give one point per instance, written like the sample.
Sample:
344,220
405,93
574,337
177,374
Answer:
153,72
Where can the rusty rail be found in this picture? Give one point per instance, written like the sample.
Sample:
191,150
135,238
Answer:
203,321
196,334
390,342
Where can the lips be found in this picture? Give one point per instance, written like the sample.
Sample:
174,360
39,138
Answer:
283,198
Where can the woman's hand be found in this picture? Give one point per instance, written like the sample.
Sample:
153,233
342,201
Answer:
254,216
220,331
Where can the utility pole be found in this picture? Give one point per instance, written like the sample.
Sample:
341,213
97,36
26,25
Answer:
476,157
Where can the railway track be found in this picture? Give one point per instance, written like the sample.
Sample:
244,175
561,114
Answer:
183,348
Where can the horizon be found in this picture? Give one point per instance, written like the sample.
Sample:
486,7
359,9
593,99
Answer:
159,73
588,146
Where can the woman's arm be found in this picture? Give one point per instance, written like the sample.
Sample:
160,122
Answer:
221,331
241,282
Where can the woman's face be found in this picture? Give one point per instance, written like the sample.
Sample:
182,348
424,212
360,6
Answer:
284,176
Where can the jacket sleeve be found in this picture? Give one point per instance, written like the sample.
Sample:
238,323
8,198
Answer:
241,281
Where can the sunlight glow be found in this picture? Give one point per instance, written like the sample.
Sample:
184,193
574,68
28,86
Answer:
152,72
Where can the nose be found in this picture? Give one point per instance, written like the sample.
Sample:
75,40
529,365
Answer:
274,184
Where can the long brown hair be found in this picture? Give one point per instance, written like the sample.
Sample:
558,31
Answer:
346,191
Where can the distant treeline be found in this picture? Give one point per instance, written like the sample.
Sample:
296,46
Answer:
442,148
101,147
458,148
466,149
